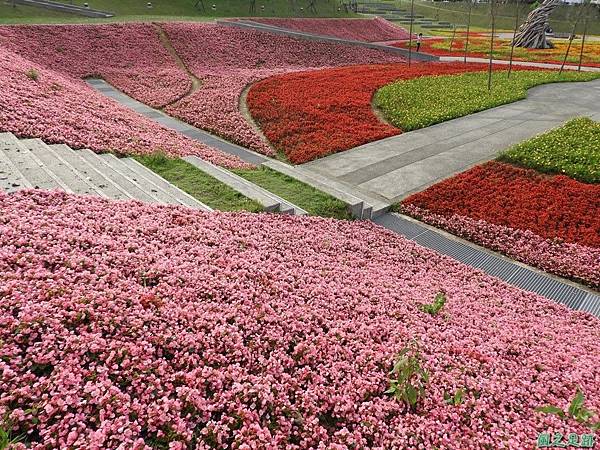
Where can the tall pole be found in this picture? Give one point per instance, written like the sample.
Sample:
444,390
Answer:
562,66
491,45
410,32
512,44
468,29
453,36
585,25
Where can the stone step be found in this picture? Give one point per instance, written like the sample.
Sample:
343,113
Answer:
21,164
71,179
355,204
268,200
132,188
182,197
148,187
11,178
107,186
360,204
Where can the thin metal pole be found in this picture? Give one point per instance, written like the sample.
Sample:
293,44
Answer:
491,45
512,44
585,25
452,40
562,66
468,29
410,32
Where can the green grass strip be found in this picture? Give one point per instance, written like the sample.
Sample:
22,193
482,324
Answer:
300,194
573,150
425,101
198,184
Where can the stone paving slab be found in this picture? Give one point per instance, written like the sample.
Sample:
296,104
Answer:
400,165
520,63
175,124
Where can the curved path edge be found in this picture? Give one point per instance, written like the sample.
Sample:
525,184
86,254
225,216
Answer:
516,274
174,124
505,62
398,166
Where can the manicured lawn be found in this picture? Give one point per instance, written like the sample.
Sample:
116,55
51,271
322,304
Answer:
169,10
306,197
198,184
425,101
573,150
221,197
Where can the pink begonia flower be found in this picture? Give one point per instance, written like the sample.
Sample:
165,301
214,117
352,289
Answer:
566,259
271,332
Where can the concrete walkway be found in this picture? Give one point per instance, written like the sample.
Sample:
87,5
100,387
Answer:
521,63
248,24
395,167
175,124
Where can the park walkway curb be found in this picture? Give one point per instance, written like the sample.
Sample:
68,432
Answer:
516,274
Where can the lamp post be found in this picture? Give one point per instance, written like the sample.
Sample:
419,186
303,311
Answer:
491,45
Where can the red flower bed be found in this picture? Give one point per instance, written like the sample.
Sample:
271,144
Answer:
479,48
502,194
312,114
369,30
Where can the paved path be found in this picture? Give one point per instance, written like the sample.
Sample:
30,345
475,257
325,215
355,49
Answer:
521,63
175,124
248,24
395,167
514,273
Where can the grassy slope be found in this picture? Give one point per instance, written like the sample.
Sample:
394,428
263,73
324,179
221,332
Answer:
306,197
198,184
573,150
168,10
221,197
425,101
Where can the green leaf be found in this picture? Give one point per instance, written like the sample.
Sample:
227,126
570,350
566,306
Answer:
411,394
595,426
576,404
458,397
549,409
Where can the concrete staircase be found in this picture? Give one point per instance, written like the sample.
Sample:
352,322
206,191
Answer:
269,201
32,164
393,14
361,205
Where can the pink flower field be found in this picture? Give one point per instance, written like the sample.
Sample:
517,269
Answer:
369,30
39,102
227,60
129,56
124,325
230,59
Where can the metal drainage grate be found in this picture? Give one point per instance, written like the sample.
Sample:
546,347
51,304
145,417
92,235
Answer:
505,269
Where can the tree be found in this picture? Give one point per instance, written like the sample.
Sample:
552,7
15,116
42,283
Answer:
532,34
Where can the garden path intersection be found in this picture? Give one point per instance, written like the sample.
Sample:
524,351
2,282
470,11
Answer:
413,160
397,166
